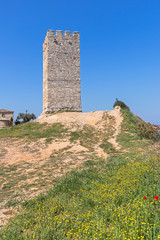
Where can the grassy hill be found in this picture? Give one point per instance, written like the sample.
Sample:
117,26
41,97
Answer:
91,195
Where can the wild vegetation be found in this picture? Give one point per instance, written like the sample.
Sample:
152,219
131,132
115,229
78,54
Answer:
149,131
34,131
113,198
120,104
25,117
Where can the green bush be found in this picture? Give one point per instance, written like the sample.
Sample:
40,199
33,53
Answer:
121,105
25,117
149,131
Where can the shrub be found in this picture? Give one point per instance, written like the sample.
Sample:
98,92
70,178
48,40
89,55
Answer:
26,117
149,131
121,105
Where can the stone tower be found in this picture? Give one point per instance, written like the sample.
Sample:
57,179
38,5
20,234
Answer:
61,72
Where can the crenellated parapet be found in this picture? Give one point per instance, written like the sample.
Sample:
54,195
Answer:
60,33
57,39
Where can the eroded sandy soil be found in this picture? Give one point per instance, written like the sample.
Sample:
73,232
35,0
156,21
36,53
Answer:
31,167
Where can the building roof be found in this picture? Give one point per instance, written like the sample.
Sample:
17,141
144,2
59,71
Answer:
5,111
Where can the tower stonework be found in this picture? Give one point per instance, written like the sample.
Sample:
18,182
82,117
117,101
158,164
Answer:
61,72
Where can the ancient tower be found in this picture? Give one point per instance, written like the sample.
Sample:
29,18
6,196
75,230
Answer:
61,72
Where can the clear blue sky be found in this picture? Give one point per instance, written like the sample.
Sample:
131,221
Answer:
120,52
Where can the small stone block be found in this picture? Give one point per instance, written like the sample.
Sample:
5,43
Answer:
50,32
67,33
75,33
59,33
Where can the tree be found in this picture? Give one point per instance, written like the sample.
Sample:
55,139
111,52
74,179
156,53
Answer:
26,117
121,105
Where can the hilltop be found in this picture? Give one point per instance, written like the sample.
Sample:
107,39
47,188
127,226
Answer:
69,148
51,146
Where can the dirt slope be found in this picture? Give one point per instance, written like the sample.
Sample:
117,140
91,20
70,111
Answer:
30,167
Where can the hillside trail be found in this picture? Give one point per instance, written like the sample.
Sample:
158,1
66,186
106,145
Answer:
118,117
29,168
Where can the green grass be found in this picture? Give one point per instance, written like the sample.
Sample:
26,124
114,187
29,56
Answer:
104,201
129,138
101,200
130,121
87,137
107,147
34,131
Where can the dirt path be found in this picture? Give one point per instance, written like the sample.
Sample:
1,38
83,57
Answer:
118,121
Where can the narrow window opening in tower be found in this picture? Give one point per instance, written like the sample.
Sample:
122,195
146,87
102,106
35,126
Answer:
55,41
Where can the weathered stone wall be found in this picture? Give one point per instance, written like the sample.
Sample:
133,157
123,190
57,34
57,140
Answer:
6,116
61,72
5,120
4,124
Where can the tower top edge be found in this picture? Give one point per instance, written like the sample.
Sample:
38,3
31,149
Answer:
60,33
